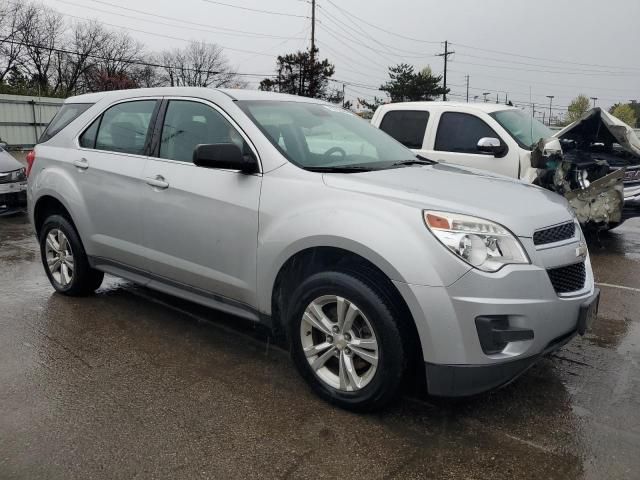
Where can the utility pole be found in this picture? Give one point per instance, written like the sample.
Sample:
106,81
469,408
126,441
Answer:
467,77
594,101
343,98
550,97
312,54
446,59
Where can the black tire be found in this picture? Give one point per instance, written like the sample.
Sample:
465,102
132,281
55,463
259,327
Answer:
384,387
85,280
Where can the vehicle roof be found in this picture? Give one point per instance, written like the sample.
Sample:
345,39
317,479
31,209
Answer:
480,106
197,92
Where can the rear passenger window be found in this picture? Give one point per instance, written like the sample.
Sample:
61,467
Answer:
122,128
188,124
460,132
67,114
406,126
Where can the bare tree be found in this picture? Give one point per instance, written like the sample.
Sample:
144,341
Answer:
116,60
11,18
41,32
199,64
79,57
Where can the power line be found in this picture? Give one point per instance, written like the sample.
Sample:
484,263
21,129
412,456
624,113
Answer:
174,19
189,25
357,17
557,72
537,65
501,52
256,10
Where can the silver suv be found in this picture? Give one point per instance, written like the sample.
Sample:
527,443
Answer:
300,215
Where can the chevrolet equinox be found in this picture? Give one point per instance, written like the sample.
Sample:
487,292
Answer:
298,214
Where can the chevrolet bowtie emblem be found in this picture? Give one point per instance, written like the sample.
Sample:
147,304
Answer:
581,251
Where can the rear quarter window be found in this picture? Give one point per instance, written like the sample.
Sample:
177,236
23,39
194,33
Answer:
67,114
406,126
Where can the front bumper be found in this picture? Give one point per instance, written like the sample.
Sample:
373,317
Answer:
13,197
445,317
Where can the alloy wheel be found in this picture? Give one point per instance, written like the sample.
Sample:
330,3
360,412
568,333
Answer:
339,343
59,257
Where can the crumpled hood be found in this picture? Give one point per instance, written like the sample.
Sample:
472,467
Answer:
8,163
520,207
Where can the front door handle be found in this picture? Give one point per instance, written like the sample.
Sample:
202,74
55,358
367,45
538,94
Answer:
81,164
157,182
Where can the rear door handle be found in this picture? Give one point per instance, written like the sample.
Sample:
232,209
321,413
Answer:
158,182
81,164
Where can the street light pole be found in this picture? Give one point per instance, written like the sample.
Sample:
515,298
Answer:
594,101
550,97
485,96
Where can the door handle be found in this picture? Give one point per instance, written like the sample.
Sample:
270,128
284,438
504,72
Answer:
81,164
157,182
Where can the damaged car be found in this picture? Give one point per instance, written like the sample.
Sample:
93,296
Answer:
608,151
508,141
13,184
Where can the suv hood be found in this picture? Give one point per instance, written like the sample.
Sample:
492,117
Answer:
520,207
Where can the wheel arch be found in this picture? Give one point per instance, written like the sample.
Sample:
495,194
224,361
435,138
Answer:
314,259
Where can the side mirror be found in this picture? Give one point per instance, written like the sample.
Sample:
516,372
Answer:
224,155
491,145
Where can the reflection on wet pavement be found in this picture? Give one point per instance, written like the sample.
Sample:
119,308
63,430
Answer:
131,383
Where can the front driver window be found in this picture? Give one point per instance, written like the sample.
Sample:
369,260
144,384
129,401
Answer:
188,124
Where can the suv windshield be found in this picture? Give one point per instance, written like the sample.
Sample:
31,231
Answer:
524,129
317,136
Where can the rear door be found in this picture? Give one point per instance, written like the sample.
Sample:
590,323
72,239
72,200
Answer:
456,140
200,224
109,166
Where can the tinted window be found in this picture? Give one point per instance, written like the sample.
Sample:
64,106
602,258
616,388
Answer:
406,126
88,138
67,114
460,132
124,127
187,124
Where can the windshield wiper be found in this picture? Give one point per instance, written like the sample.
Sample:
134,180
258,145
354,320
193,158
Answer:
339,169
419,160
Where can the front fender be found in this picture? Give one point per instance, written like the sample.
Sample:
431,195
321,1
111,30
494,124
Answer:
389,234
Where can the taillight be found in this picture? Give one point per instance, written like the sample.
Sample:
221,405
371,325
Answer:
31,158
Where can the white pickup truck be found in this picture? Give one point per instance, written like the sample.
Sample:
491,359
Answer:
508,141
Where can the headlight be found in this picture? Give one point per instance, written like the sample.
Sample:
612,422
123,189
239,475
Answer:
485,245
18,175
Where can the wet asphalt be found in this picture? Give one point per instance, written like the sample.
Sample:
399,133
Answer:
133,384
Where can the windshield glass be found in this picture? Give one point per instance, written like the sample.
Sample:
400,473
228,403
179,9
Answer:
525,129
324,136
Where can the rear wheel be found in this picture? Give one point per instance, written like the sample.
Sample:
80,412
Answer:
65,260
346,342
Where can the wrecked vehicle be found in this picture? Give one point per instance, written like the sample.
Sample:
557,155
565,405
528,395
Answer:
606,145
13,184
508,141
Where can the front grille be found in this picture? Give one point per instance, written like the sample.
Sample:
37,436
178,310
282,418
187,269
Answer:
554,234
568,279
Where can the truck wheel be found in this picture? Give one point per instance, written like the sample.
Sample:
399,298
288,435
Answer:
65,260
346,342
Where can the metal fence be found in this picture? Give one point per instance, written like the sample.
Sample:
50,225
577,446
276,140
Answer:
23,119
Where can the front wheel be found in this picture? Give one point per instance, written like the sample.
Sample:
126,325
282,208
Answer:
346,341
65,260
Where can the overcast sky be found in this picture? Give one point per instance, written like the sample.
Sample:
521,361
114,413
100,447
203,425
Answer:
564,47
